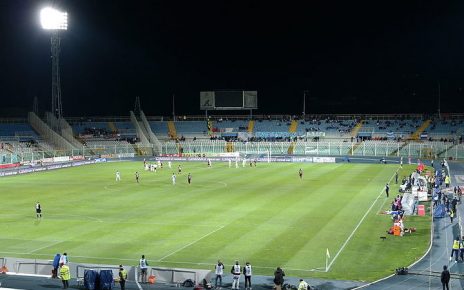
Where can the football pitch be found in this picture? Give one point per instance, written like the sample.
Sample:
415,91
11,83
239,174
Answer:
266,215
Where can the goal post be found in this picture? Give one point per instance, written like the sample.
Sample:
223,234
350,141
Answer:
311,150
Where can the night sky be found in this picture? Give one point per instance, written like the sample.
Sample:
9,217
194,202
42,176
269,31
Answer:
350,56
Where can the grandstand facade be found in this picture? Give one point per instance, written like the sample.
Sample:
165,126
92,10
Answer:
35,139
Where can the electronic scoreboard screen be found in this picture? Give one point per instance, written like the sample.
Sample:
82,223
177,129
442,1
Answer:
226,100
229,99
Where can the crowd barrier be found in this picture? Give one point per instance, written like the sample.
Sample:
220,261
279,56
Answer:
39,168
424,150
44,268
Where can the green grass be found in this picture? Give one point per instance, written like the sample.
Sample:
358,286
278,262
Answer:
265,215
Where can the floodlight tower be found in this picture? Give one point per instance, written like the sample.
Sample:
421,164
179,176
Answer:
55,21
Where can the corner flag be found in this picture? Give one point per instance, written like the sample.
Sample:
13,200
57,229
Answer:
327,253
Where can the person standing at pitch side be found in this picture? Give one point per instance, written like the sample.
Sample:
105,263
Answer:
236,271
219,271
247,273
143,264
445,277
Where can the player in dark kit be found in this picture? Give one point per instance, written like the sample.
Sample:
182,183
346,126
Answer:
137,176
38,210
189,178
300,173
179,169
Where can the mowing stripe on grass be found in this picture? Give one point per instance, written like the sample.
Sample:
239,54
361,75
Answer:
189,244
358,225
44,247
76,215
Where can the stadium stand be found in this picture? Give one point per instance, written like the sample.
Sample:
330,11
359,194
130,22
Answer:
160,128
375,135
445,129
22,130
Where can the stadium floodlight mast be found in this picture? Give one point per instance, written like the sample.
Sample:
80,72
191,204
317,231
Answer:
55,21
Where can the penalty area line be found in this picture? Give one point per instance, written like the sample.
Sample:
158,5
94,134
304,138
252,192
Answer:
189,244
358,225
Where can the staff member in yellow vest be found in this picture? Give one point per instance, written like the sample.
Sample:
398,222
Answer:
65,275
122,277
455,249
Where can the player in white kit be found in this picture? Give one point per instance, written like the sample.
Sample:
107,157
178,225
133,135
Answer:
173,179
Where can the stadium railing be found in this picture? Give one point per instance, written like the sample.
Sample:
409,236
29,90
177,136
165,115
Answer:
173,276
44,268
367,148
425,150
35,267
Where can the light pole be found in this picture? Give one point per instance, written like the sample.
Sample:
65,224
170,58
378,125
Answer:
55,21
304,103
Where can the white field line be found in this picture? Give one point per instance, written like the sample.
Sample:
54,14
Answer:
76,215
358,225
254,266
169,262
459,216
189,244
111,189
117,221
44,247
438,260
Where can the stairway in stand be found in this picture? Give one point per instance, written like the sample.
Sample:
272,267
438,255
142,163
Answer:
172,130
251,126
230,147
293,126
356,128
292,129
137,150
112,127
416,135
354,147
291,148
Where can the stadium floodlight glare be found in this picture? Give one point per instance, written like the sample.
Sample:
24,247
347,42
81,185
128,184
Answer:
52,19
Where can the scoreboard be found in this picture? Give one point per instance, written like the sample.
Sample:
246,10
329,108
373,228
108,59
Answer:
228,100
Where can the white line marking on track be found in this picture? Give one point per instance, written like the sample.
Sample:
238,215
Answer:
136,279
358,225
189,244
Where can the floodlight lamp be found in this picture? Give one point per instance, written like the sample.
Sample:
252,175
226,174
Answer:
52,19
